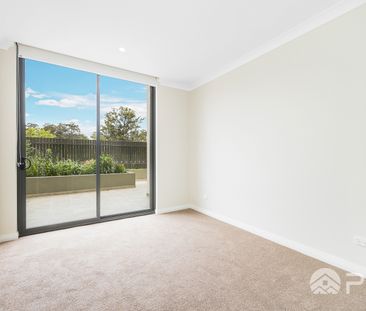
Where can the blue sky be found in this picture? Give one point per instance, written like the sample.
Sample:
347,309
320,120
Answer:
57,94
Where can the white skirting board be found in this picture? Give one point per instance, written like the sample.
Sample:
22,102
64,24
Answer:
301,248
172,209
8,237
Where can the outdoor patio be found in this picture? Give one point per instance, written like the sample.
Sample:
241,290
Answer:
53,209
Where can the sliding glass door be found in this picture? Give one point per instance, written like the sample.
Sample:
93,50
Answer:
60,117
85,147
124,127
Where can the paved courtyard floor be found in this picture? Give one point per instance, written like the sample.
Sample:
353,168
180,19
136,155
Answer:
53,209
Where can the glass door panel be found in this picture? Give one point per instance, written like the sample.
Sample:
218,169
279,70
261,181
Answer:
60,126
124,136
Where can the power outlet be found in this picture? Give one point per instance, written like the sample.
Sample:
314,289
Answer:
360,241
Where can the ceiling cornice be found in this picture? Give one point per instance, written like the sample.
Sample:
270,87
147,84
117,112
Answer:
299,30
175,85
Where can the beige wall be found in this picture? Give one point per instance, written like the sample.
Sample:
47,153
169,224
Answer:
279,144
8,193
171,149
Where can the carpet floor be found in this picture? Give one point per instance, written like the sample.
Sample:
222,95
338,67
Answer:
176,261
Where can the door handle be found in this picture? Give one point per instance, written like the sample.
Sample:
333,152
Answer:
24,163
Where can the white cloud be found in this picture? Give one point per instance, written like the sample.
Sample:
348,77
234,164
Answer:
107,103
89,101
47,102
32,93
69,101
107,99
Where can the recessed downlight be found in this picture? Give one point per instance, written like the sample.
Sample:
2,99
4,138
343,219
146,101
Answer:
122,50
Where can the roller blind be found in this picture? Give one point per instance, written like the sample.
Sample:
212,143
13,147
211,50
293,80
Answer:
25,51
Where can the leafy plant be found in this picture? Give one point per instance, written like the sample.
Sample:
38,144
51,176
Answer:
47,165
107,164
120,168
67,167
38,132
89,167
40,165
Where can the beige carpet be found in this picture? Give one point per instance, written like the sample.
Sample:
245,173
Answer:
177,261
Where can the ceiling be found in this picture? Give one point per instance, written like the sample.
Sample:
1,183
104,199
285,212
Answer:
184,43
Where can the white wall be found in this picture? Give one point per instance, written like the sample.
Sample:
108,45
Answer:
8,193
279,144
171,149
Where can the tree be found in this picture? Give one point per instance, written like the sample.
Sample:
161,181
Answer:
38,132
141,135
65,130
94,136
122,124
33,130
32,125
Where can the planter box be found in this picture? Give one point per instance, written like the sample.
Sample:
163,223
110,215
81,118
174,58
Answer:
47,185
141,173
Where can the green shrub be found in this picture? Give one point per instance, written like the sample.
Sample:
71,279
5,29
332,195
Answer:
41,165
106,164
89,167
38,132
47,165
120,168
67,167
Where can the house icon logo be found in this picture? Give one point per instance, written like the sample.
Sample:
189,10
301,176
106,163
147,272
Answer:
325,281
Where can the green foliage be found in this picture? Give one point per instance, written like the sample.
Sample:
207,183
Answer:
48,166
106,164
38,132
41,165
101,137
89,167
67,167
140,136
33,125
119,124
30,150
122,124
120,168
65,130
62,130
